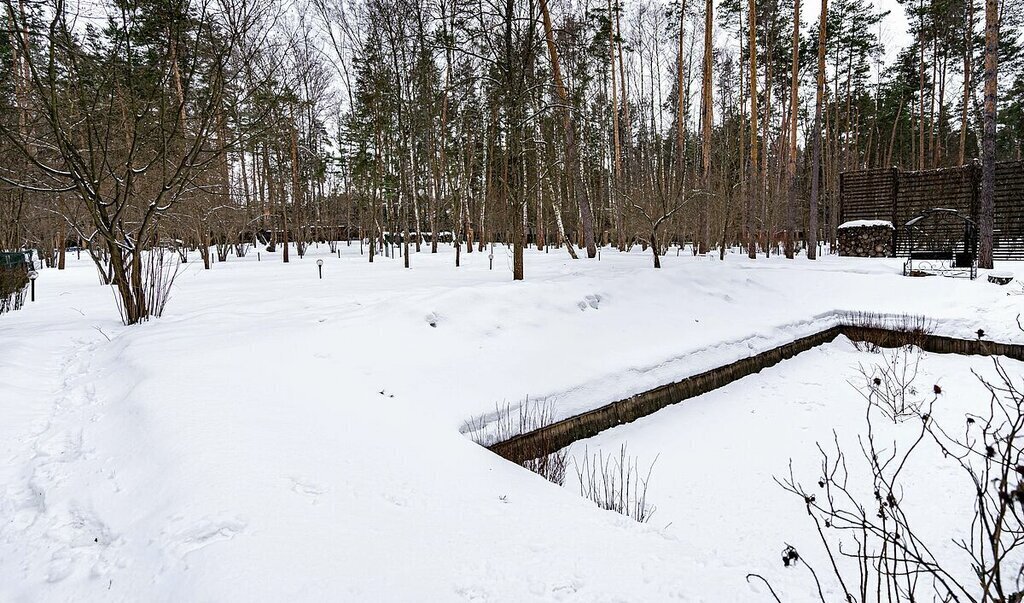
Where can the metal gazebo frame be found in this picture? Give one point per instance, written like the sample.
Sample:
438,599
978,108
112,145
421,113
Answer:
941,241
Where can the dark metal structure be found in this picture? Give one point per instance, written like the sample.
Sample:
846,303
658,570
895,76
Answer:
15,275
16,259
899,196
941,241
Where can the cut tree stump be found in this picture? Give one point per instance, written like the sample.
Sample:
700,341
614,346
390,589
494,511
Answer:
1000,278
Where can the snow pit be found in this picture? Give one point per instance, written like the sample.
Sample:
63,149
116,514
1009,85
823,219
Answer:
718,458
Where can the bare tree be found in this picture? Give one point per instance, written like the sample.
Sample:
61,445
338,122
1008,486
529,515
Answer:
812,222
754,185
661,204
128,133
569,127
794,100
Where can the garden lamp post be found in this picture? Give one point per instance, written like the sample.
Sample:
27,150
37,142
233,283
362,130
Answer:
32,276
320,267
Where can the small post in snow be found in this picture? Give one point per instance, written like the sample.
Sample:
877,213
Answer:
320,268
32,276
490,256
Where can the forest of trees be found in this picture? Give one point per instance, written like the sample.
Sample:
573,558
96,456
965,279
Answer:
399,125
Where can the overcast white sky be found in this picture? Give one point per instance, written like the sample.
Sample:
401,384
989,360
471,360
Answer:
893,34
892,31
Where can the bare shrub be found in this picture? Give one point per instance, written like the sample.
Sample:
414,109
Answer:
101,260
182,250
887,330
551,466
13,285
890,386
223,247
159,269
508,422
893,561
616,484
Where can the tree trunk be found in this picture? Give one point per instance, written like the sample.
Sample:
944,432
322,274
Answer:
920,88
616,172
988,154
754,194
968,68
571,151
707,122
742,146
61,246
681,101
654,247
296,189
812,227
794,101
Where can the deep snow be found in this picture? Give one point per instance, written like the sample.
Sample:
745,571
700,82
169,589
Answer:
714,461
278,436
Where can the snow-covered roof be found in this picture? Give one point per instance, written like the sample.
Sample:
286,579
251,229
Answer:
865,223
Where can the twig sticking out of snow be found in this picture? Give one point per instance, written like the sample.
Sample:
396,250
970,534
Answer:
616,484
507,422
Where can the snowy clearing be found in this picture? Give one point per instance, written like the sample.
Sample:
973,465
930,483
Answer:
278,436
716,459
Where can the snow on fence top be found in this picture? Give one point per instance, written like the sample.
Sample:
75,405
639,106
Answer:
865,223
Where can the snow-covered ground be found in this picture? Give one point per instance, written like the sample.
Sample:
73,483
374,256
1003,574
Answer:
279,436
714,461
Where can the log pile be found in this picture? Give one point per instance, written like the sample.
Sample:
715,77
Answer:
866,241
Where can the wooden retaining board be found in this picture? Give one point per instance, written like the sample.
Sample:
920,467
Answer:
558,435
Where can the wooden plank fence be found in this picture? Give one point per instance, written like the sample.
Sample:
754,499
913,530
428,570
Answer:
897,196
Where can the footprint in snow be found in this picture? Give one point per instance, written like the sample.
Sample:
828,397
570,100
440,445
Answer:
592,301
472,593
569,588
397,500
80,540
206,532
305,488
62,564
64,446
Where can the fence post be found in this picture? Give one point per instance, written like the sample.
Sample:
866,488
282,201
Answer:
895,173
975,168
842,200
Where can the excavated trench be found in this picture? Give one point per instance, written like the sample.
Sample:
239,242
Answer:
551,438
